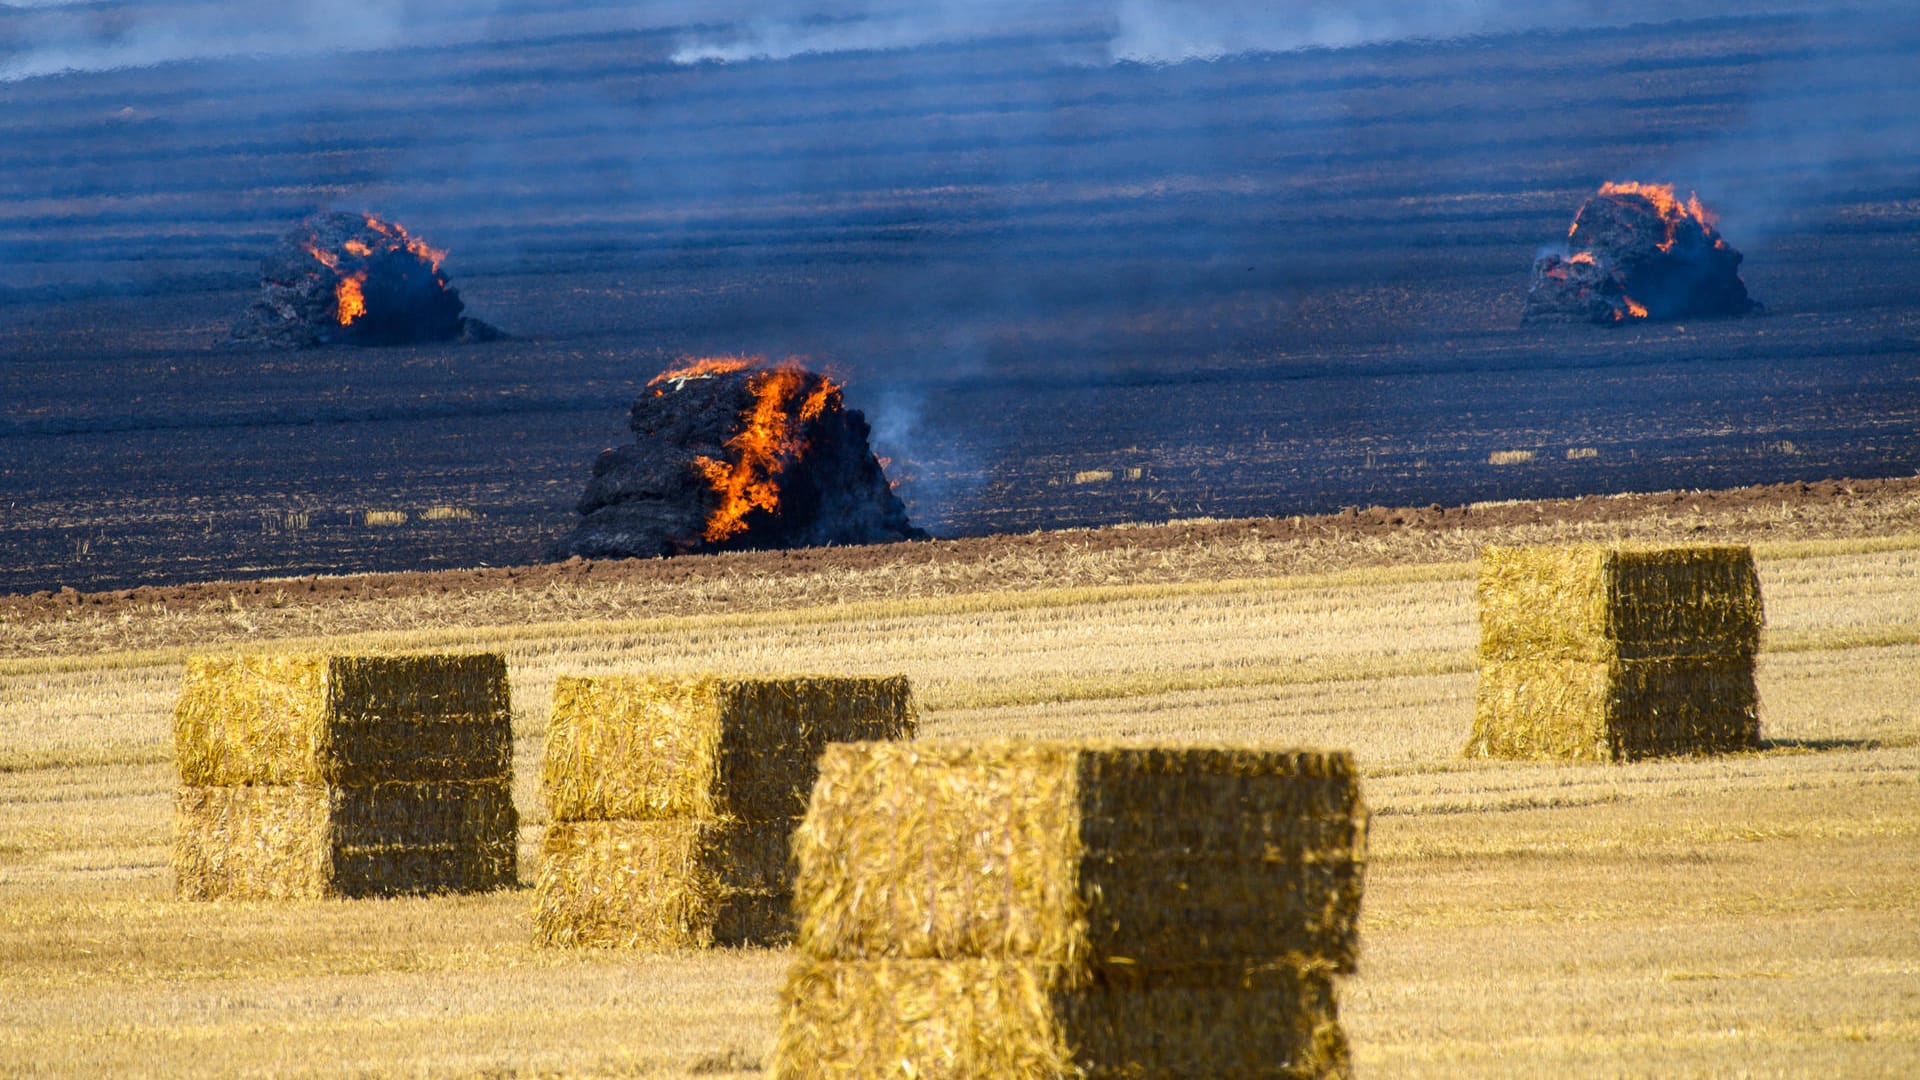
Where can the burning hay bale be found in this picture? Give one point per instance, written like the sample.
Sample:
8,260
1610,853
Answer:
674,799
1042,909
1635,251
1604,653
732,453
355,279
310,776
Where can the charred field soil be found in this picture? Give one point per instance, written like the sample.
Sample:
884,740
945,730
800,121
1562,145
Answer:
1067,291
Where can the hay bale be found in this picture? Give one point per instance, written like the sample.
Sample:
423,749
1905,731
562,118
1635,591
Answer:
317,775
855,1019
638,746
1040,909
663,883
674,800
1607,653
1081,854
342,720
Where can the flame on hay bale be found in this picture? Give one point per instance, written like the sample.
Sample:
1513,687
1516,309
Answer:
315,775
1602,653
674,800
1045,909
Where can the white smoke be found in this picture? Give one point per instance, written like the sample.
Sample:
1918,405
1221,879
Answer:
48,37
43,37
779,37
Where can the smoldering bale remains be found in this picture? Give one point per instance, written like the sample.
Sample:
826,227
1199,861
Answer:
732,453
356,280
1635,251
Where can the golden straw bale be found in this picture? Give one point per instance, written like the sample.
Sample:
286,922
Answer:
1578,710
311,719
271,841
1588,602
637,746
675,799
1029,1020
316,775
1607,653
1086,856
1053,910
666,883
266,842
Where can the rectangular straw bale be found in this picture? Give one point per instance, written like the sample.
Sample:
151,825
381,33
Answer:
267,842
1589,602
1576,710
1091,857
308,719
672,883
635,746
1594,653
323,775
1028,1019
276,841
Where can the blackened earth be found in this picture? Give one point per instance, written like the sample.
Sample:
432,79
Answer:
1063,292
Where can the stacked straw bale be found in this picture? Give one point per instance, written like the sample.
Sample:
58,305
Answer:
1043,910
1594,653
674,801
316,775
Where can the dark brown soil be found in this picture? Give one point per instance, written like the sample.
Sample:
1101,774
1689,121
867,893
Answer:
1829,504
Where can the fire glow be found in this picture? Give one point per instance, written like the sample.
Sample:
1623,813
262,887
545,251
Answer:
353,279
1636,251
771,437
1674,214
349,290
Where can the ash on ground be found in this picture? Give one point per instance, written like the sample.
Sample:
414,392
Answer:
731,453
1635,252
354,279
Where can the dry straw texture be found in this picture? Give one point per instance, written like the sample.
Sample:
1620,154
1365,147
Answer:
1603,653
1050,910
664,882
636,746
1085,856
674,801
314,775
856,1019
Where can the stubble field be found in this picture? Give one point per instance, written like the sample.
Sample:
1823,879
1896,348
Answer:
1072,288
1749,915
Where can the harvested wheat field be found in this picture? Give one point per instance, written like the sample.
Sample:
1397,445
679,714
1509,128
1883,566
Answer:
1746,914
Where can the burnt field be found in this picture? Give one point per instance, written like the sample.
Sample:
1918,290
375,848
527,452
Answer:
1067,290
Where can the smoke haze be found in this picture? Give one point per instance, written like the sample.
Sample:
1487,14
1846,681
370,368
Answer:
1223,250
43,37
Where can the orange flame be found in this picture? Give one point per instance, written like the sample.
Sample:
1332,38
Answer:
771,436
705,367
349,301
418,247
349,294
1635,308
1673,212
